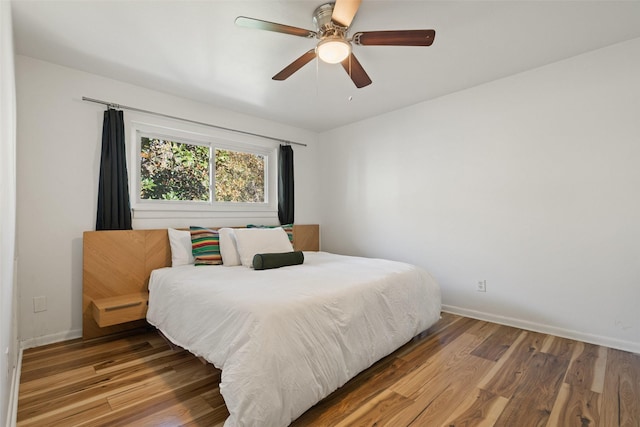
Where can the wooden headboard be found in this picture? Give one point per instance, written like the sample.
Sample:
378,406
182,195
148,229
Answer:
118,263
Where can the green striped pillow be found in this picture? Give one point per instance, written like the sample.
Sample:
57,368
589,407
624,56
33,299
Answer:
205,246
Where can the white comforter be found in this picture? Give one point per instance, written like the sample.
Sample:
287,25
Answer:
288,337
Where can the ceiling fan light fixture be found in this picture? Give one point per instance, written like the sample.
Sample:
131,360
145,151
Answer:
333,50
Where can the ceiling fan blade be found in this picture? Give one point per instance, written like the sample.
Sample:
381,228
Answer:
344,11
295,65
259,24
353,67
395,38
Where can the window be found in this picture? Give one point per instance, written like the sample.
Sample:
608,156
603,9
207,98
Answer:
177,170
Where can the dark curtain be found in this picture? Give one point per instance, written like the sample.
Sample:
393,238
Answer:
285,185
114,208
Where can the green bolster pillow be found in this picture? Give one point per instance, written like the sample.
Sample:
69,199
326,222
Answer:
267,261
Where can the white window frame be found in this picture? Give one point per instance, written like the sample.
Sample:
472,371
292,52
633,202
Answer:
213,138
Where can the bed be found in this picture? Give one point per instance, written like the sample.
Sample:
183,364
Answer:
286,338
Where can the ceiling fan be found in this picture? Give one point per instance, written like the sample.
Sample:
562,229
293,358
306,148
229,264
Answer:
332,21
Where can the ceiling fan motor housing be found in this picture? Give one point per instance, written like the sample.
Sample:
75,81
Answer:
323,23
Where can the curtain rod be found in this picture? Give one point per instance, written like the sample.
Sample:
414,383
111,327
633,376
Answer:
124,107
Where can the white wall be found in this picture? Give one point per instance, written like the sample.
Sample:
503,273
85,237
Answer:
530,182
8,339
59,138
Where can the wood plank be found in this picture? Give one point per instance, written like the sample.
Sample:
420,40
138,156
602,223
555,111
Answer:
440,364
537,390
215,418
131,414
98,386
439,341
560,347
378,411
79,346
440,381
582,370
575,406
34,357
469,371
306,237
505,379
178,413
621,395
65,416
87,359
182,375
497,343
53,381
479,409
599,370
88,390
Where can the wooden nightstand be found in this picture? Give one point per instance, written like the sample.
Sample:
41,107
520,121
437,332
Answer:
120,309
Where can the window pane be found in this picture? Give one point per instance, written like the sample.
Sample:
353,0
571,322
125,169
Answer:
172,170
239,177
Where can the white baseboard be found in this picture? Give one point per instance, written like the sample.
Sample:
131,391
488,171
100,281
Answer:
50,339
12,415
631,346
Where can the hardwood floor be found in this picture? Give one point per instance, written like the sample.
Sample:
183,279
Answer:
462,372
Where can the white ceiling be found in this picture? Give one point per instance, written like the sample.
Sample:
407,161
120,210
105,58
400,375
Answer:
193,49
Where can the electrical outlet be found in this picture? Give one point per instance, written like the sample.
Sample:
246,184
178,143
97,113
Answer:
39,304
481,286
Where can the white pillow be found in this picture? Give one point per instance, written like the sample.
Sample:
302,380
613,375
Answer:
253,241
229,247
180,242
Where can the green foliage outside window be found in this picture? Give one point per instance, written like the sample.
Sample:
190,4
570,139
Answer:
173,171
179,171
239,177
